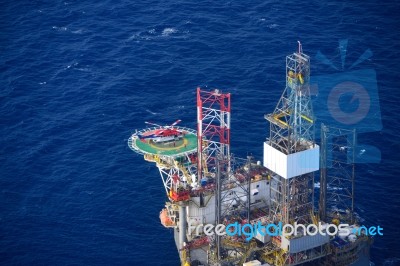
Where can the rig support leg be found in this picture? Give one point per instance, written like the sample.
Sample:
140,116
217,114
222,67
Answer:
182,224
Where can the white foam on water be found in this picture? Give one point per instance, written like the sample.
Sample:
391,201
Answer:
77,31
168,31
60,28
272,26
153,113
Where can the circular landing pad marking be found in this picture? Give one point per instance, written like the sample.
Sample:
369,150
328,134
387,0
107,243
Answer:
171,145
187,144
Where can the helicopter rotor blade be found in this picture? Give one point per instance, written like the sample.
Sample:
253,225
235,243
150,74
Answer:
153,124
176,122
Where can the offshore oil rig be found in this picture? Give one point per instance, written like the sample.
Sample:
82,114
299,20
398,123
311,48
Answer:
205,184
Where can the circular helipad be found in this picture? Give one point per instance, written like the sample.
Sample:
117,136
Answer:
186,144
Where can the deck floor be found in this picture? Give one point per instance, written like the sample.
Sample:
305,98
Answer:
186,144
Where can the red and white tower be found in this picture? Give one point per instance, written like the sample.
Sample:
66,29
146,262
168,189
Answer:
213,130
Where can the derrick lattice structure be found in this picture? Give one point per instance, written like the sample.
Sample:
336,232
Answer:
338,147
232,204
213,130
292,156
292,122
290,151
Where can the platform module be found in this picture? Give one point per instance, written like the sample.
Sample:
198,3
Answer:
206,184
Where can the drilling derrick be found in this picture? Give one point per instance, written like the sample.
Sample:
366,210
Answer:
291,152
292,156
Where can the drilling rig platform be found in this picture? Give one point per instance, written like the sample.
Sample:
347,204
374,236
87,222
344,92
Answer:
206,184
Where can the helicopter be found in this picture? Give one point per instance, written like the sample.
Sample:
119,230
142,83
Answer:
163,134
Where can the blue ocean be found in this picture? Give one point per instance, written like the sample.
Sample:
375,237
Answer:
78,77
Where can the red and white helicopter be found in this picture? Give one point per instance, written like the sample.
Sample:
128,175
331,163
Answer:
163,134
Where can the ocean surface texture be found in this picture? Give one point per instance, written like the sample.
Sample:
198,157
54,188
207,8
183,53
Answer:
78,77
